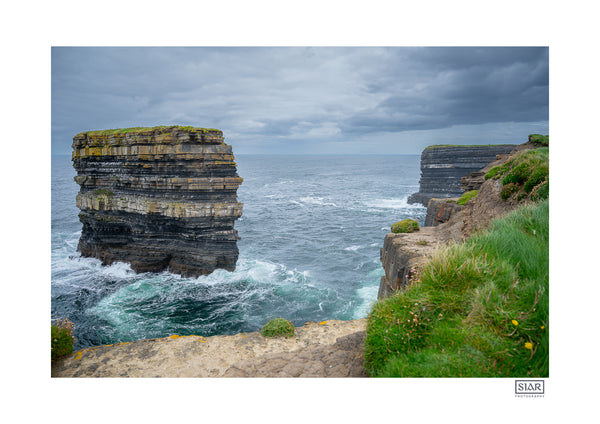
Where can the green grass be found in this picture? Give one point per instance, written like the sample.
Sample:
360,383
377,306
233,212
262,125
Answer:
143,129
467,196
278,327
405,226
479,309
492,172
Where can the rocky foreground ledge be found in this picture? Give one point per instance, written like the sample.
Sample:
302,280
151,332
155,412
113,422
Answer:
326,349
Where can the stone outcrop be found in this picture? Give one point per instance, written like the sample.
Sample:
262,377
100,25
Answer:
326,349
158,198
401,256
443,166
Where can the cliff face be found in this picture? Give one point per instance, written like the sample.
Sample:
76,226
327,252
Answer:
440,211
442,168
158,198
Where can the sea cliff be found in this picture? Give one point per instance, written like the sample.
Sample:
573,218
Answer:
158,198
443,166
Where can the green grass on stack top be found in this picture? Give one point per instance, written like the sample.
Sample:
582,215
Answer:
479,309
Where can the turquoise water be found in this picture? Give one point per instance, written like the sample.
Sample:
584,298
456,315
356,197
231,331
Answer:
311,232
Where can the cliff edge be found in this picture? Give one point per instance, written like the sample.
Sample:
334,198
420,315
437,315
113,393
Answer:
326,349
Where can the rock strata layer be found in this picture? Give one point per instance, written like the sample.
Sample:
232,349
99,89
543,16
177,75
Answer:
158,198
442,168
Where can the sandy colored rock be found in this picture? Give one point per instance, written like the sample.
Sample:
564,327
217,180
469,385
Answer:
328,349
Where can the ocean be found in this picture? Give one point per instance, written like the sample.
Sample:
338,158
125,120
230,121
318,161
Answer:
311,232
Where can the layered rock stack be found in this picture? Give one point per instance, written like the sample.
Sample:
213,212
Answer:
158,198
443,166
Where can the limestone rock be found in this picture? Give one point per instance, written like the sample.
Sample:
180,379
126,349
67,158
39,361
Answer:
158,198
440,211
443,166
401,256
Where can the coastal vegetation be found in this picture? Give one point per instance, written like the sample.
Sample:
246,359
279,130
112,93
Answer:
467,196
478,308
61,342
278,327
405,226
143,129
527,173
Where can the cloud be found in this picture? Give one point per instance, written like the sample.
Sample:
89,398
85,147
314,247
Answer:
276,96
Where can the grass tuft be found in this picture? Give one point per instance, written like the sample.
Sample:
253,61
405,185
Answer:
467,196
405,226
278,327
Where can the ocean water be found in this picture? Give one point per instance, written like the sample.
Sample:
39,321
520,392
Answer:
311,232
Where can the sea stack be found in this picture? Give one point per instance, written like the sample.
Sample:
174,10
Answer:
161,198
443,166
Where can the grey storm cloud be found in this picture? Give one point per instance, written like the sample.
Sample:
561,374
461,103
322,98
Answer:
282,95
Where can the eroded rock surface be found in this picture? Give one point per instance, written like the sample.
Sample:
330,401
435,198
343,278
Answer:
326,349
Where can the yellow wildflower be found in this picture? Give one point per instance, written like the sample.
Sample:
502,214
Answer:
542,327
515,322
528,345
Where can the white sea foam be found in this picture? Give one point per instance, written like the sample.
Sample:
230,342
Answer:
316,201
395,203
368,296
353,248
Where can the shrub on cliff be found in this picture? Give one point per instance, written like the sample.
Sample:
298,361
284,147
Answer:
278,327
541,192
543,140
405,226
61,342
508,190
479,308
526,170
539,175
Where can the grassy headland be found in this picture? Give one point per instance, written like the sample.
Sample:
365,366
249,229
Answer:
479,309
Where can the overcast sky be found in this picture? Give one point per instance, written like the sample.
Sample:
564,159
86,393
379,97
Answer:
362,100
